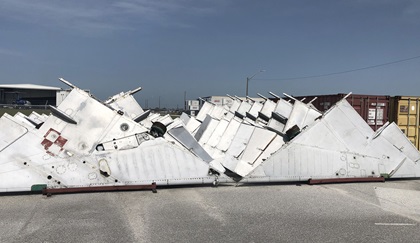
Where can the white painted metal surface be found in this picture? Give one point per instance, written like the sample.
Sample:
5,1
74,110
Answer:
255,109
267,109
244,107
106,148
301,115
207,108
227,137
334,148
193,125
13,132
126,102
88,143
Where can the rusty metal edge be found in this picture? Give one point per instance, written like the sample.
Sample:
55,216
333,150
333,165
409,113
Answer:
51,191
346,180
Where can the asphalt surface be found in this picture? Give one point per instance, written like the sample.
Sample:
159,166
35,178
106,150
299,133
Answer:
360,212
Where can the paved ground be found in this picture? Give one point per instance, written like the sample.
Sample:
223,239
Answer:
371,212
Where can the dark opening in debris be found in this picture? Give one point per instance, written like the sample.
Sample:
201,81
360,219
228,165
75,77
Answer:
104,173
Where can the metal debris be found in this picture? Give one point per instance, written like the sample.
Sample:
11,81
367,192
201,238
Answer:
86,143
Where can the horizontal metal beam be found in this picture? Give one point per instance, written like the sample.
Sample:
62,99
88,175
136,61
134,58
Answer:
346,180
50,191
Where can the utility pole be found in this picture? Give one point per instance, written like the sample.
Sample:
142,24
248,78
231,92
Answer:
185,100
249,79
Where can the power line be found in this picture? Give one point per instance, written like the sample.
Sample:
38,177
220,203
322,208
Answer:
341,72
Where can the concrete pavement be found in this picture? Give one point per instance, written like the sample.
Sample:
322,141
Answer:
362,212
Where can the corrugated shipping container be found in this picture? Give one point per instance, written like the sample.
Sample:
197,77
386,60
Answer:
374,109
405,113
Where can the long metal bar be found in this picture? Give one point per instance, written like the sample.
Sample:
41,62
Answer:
345,97
262,96
50,191
346,180
67,83
376,113
275,96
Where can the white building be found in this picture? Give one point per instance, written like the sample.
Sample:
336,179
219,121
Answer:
192,105
32,93
226,100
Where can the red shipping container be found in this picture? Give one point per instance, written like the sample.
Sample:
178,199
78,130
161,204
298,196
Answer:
374,109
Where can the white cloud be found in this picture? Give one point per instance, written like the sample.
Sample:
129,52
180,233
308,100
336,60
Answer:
105,15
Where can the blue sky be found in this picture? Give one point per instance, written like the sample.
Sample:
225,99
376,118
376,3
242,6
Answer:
209,47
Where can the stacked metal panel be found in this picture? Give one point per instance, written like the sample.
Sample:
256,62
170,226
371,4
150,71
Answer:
89,143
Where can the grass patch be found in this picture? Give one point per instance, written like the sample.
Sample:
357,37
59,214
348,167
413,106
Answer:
13,111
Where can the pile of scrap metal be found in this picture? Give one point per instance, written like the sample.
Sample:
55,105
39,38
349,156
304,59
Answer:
87,144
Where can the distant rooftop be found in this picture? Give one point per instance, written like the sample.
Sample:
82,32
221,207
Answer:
28,86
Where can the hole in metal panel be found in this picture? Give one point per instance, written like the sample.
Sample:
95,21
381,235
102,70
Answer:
100,147
104,173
